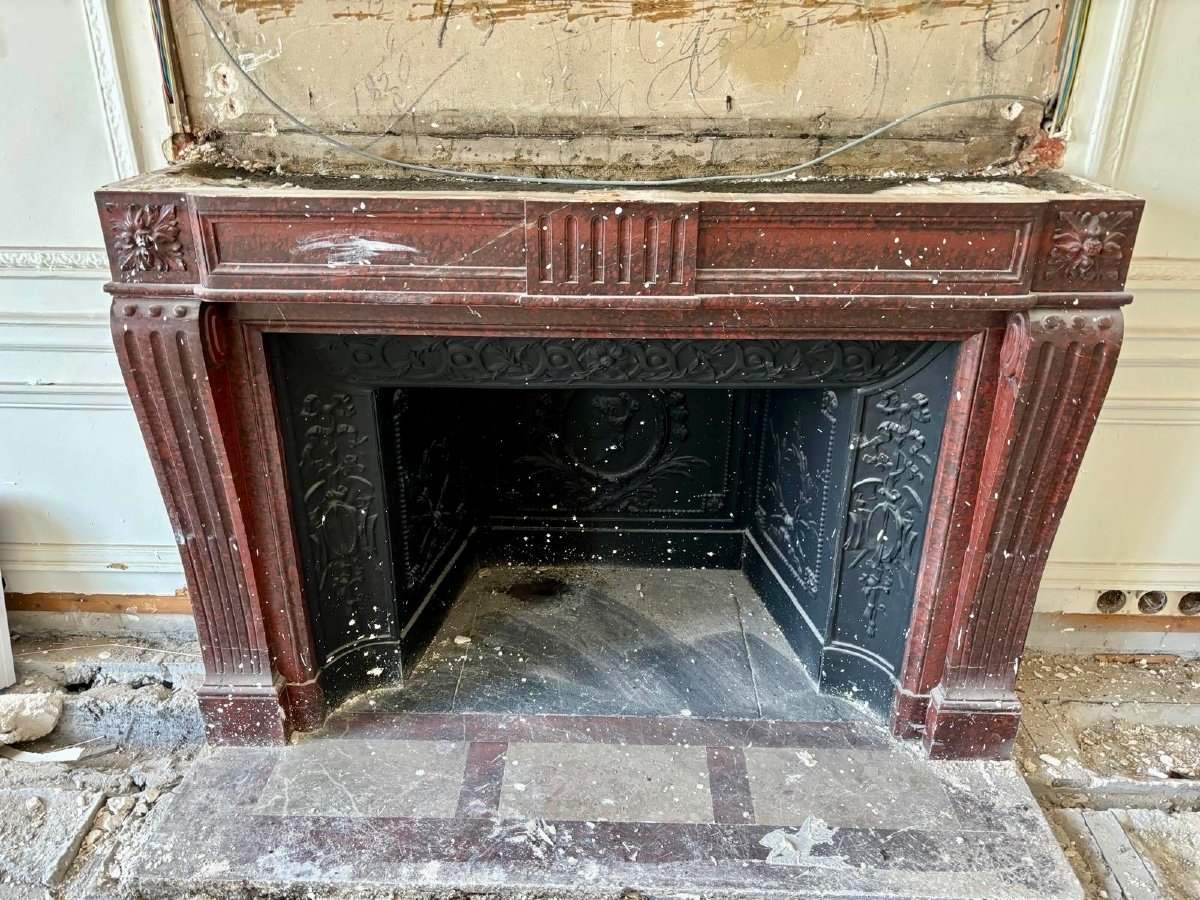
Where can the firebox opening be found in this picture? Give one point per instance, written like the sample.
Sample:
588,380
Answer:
615,542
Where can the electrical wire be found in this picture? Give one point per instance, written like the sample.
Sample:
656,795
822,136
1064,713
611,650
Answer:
1068,65
423,169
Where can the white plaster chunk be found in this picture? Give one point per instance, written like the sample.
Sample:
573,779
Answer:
27,717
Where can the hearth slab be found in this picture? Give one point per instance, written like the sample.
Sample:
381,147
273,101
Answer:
611,641
531,818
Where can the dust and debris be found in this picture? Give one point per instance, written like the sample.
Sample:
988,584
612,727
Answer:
1110,745
1138,750
1170,846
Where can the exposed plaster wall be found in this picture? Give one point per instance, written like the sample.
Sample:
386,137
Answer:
620,86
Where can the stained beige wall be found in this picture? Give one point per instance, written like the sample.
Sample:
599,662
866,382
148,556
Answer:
547,85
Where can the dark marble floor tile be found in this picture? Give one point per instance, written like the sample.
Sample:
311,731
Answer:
730,786
989,797
574,859
784,688
607,641
610,641
432,684
483,780
1030,862
553,728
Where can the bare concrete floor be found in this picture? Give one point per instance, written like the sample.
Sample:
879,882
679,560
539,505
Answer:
1111,749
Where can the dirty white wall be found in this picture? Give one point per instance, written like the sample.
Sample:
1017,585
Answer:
578,85
1133,522
79,510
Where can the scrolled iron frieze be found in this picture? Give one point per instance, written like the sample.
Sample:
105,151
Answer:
406,360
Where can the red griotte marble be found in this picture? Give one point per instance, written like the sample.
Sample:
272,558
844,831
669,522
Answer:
1031,282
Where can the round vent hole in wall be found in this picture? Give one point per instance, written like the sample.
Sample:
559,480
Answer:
1152,602
1189,604
1110,601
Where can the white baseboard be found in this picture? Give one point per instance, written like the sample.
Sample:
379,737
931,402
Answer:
135,558
1073,587
92,568
8,675
1101,576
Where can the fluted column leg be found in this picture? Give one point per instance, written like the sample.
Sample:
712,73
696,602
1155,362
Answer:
1055,368
171,355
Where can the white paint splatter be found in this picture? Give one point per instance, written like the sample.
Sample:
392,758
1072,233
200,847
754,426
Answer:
350,250
251,61
794,848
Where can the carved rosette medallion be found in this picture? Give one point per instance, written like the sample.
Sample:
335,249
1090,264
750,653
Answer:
146,238
1089,247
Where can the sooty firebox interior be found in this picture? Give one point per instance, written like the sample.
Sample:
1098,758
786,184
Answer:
808,465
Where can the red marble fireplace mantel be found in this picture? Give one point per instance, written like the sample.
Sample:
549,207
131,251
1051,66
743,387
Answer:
1028,277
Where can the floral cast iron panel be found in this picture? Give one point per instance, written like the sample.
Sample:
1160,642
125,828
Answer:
844,487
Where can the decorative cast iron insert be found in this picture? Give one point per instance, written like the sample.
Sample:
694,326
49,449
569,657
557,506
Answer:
808,463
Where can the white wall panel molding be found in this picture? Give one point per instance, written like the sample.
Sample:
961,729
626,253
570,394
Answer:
132,558
1162,273
108,82
53,262
64,396
1148,411
55,332
1161,348
1067,575
1114,57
